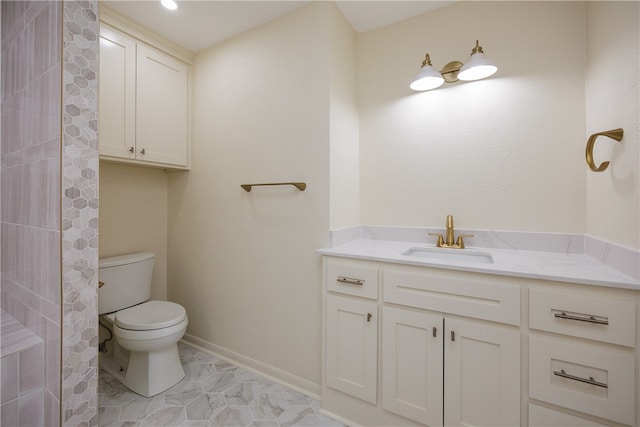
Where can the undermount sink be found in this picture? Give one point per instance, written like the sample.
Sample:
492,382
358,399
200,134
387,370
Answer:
464,255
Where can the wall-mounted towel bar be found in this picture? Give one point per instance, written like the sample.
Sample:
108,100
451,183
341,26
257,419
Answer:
299,185
613,134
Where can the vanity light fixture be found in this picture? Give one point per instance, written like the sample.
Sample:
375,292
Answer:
477,68
169,4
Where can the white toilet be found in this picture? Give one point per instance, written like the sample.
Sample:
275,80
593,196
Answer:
144,354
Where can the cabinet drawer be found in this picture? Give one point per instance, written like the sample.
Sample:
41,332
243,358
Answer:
593,378
474,296
358,280
539,416
601,319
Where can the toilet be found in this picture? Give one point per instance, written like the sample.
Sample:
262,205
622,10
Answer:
142,352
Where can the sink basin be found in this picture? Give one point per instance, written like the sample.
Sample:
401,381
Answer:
464,255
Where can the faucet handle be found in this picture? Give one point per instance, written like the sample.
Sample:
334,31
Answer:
460,242
440,239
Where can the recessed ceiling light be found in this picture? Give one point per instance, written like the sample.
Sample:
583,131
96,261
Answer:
169,4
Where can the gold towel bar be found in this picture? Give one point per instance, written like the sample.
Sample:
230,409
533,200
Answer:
614,134
299,185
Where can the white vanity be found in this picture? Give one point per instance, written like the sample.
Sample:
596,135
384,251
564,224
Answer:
529,338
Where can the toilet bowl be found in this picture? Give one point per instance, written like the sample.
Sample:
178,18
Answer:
144,356
150,332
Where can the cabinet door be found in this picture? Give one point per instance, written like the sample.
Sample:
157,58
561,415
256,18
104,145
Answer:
412,365
482,374
162,108
117,93
352,347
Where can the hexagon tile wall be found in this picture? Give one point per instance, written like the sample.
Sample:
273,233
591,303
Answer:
80,213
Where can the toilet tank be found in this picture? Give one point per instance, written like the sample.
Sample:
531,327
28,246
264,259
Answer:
125,280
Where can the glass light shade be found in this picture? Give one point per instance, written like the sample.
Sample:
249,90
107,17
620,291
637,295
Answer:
477,68
169,4
427,79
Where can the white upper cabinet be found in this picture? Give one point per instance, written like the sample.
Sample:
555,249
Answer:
117,93
162,105
144,103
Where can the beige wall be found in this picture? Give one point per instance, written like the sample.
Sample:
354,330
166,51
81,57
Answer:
244,264
133,216
505,153
613,101
344,160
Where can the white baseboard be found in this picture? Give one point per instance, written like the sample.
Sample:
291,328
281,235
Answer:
338,418
277,375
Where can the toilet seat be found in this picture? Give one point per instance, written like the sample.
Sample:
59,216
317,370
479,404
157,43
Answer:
150,315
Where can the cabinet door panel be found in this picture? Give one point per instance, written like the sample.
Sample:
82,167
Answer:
412,365
352,347
482,374
162,108
117,93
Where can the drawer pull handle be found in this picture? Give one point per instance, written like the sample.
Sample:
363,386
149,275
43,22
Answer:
350,281
435,332
369,316
590,380
589,319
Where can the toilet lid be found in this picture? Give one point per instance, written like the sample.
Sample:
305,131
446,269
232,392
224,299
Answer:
150,315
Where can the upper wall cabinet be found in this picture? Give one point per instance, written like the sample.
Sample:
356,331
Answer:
144,103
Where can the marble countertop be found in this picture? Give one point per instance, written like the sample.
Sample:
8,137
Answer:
554,266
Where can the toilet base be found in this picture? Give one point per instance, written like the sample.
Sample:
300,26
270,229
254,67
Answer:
123,365
151,373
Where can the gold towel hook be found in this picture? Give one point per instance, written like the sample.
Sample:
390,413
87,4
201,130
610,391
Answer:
613,134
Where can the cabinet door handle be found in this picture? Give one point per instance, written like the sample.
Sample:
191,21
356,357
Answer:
590,380
369,316
132,150
350,281
453,335
435,331
589,319
142,151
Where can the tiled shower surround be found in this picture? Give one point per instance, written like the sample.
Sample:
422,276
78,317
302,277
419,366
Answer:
48,212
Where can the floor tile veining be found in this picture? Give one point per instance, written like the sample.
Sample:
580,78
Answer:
212,393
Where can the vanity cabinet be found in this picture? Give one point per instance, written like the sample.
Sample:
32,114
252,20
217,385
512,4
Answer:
144,102
406,345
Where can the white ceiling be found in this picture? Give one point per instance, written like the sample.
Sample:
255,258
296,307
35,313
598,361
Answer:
199,24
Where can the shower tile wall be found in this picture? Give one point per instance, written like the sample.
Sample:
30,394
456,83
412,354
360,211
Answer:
30,205
48,208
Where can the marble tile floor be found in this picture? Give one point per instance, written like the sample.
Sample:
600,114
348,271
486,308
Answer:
213,393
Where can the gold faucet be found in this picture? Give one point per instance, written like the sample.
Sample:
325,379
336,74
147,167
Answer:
448,240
